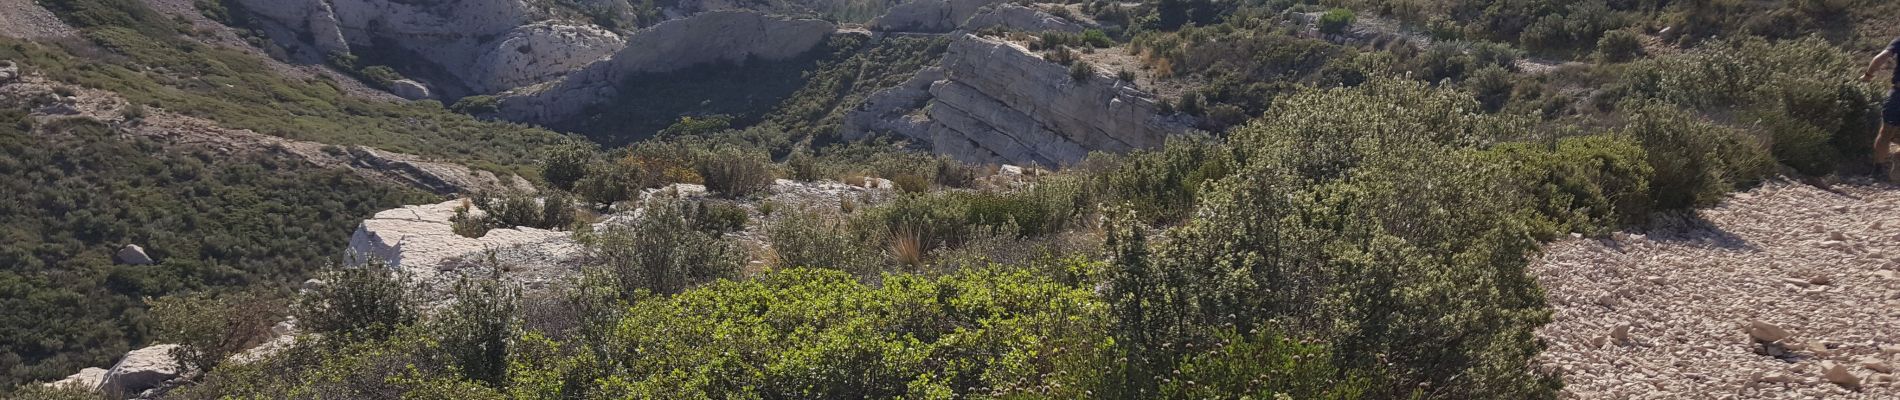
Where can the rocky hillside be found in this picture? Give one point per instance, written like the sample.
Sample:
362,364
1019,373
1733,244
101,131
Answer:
1788,291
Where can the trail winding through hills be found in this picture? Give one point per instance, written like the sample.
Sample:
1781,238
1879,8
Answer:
1663,315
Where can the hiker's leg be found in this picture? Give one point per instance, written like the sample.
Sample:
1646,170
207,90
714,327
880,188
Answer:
1882,140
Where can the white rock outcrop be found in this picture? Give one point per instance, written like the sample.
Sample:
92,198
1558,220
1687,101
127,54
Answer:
140,370
1000,103
132,254
409,89
86,379
730,36
420,240
485,46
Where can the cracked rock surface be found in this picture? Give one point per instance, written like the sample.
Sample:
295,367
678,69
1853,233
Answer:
1785,291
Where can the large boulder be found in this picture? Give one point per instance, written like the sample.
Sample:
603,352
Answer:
86,379
408,89
132,254
420,241
140,370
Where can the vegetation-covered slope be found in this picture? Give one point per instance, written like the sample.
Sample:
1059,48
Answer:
1358,225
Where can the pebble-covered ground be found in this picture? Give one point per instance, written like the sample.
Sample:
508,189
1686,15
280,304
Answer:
1785,291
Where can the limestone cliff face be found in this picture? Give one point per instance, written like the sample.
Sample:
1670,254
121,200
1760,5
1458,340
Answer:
672,45
484,46
1000,103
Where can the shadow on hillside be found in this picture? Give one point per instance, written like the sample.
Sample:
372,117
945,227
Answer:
1691,228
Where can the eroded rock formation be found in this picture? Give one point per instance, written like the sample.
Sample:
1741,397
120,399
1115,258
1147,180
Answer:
1000,103
421,241
731,36
484,46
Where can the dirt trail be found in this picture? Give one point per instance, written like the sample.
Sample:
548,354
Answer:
1819,263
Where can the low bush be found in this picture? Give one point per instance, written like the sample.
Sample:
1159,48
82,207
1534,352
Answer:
1696,162
1335,21
208,329
1619,46
365,303
734,173
662,252
1588,184
802,239
813,333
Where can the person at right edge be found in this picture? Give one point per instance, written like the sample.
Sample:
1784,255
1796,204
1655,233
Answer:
1889,111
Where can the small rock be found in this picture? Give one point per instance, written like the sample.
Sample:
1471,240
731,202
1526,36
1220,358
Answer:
1889,349
1797,282
1656,279
1885,274
1599,341
1766,332
1838,374
409,89
8,71
312,284
1876,365
1877,225
1836,236
1774,378
1821,280
1011,170
1621,332
132,254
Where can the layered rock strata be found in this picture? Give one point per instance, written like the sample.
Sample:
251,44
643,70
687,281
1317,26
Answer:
999,103
719,36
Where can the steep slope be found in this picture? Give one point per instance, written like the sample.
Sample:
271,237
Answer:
1816,262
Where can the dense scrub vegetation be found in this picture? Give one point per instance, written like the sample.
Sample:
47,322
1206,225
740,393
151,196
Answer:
78,189
148,58
1357,223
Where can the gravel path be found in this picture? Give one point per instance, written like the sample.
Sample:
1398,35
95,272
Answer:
1662,316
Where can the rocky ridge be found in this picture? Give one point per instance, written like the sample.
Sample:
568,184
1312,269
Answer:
484,46
177,129
729,36
1000,103
1785,291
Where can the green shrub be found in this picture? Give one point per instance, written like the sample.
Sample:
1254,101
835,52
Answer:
1161,184
802,239
477,105
809,333
210,329
734,173
662,252
1081,71
611,181
381,76
365,303
1619,46
562,166
719,218
1335,21
476,329
1589,184
1696,162
1097,39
